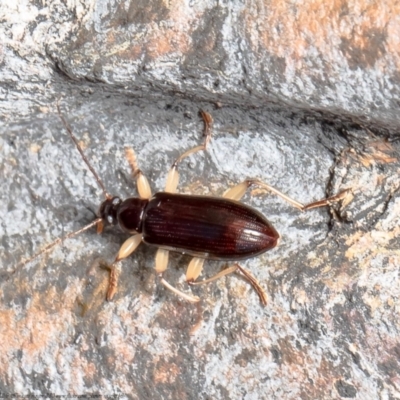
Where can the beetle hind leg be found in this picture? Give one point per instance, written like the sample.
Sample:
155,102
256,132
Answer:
238,191
188,297
196,265
161,265
173,174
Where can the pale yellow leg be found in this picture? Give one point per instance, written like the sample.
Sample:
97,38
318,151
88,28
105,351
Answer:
161,265
173,174
238,191
192,299
161,260
128,247
170,187
142,183
246,274
194,269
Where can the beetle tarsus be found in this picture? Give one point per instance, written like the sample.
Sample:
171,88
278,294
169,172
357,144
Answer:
253,281
345,196
208,121
238,191
246,274
199,319
113,282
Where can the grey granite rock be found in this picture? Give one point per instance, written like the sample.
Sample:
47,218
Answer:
331,327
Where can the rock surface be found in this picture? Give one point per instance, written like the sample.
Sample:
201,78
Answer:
303,97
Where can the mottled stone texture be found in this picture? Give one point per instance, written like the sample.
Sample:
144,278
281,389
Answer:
304,96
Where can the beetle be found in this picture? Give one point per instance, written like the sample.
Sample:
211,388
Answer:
205,227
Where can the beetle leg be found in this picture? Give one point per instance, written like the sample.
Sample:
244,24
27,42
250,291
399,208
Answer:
192,299
161,266
161,260
128,247
142,183
246,274
238,191
194,269
173,174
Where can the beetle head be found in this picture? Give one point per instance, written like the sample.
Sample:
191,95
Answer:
109,209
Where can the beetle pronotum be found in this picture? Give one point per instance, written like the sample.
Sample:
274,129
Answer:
218,228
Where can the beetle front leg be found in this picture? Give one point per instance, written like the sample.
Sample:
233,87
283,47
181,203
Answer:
238,191
129,246
173,174
161,266
196,265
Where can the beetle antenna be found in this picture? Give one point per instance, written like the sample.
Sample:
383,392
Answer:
75,140
56,242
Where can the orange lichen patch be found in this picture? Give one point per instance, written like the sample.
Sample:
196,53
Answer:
341,280
124,351
80,369
380,146
158,43
291,355
167,41
34,334
323,373
285,29
371,243
8,327
134,52
166,372
125,354
359,243
35,331
376,158
300,298
376,152
374,302
90,369
168,30
129,49
359,28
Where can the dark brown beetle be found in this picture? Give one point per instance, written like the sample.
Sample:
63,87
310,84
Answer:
219,228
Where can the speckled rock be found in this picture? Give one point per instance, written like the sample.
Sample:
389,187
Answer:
303,97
